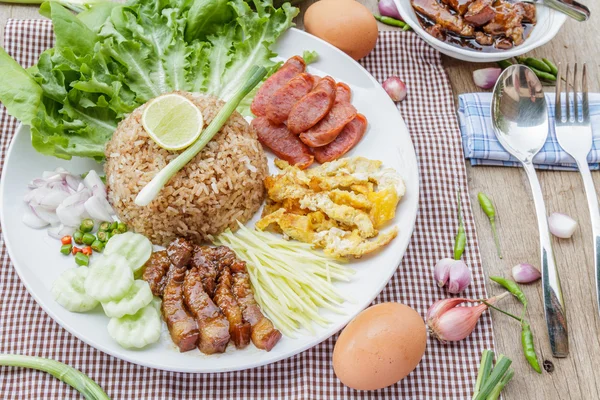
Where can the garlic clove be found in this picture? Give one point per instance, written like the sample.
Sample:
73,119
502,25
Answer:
441,272
525,273
561,225
459,277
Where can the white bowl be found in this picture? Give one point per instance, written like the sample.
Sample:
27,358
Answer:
548,24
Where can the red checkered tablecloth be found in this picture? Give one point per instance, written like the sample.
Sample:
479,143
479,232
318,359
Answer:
446,371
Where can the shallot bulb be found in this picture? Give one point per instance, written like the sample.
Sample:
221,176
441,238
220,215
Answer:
486,78
387,8
395,88
561,225
449,323
454,273
525,273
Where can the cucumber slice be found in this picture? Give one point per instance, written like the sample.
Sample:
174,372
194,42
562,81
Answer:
109,278
68,291
137,330
136,248
138,296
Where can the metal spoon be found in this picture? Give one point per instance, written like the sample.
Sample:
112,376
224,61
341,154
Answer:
520,120
572,8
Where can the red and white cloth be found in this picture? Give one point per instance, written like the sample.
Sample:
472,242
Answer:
446,371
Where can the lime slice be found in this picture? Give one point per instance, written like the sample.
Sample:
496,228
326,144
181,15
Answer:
172,121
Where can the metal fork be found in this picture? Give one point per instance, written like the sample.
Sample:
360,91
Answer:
574,133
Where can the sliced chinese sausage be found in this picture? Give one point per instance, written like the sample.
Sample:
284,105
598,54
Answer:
346,140
342,93
310,109
287,96
329,127
283,143
292,67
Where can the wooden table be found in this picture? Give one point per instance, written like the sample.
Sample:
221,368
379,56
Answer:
578,376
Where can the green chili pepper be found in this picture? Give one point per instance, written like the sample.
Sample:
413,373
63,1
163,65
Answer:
551,65
66,249
460,241
545,76
97,246
504,64
512,287
391,21
88,238
103,236
78,237
114,226
82,259
105,226
488,208
528,347
87,225
122,228
537,64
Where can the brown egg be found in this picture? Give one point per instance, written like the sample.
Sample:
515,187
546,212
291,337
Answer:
379,347
346,24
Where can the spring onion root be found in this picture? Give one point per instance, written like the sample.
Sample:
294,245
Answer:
77,379
151,190
291,280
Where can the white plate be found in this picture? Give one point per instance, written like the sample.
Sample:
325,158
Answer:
38,261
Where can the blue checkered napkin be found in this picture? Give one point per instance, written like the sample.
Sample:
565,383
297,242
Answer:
482,148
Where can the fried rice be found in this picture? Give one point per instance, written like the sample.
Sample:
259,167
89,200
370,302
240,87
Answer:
222,184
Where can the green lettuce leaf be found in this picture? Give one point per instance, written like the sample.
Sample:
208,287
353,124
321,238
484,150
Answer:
111,58
19,92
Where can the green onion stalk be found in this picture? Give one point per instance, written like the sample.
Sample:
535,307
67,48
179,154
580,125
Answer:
151,190
69,375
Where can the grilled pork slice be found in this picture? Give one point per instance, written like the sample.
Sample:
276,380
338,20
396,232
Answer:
264,335
480,12
213,326
460,6
204,260
182,327
239,330
180,252
227,258
441,15
155,272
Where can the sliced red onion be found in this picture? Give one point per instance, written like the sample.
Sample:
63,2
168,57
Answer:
486,78
62,200
93,182
73,181
525,273
70,215
32,220
561,225
96,209
395,88
53,199
387,8
47,215
60,231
